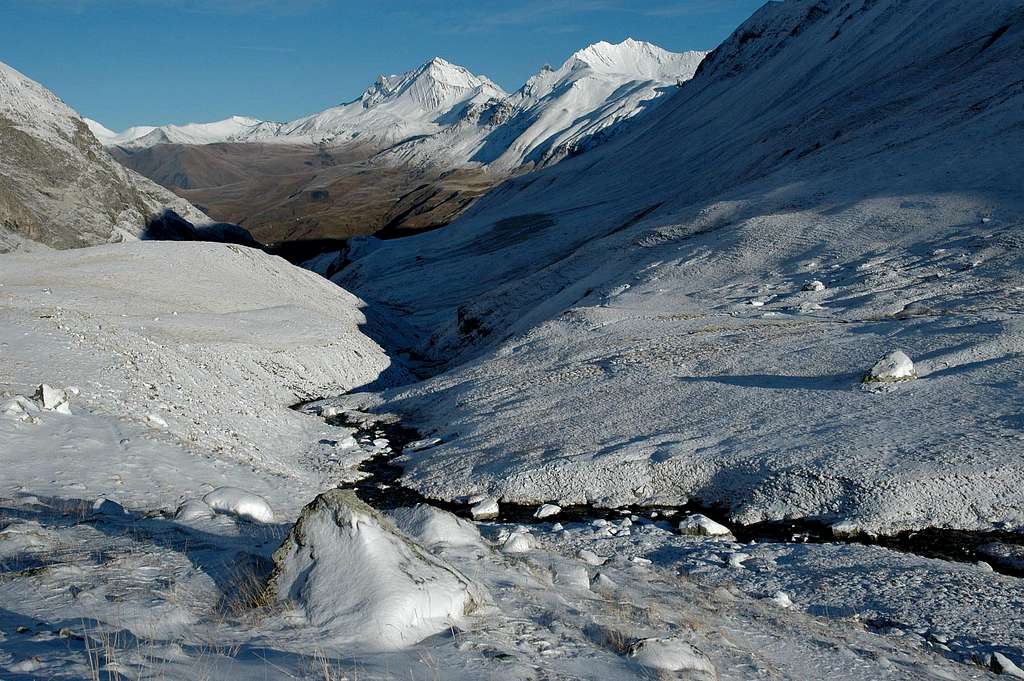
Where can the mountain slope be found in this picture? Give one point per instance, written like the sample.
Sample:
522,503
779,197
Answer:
58,185
636,317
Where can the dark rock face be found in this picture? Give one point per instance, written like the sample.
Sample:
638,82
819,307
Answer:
169,226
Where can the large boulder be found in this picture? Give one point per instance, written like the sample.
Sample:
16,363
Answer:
362,583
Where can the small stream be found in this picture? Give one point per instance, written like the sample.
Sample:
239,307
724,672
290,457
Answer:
382,489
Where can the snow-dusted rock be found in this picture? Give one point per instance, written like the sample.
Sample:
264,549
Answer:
193,509
737,559
814,285
420,445
572,574
241,503
674,655
362,583
782,599
519,542
21,407
1003,665
433,527
702,526
591,558
547,510
486,509
155,421
54,399
105,506
893,367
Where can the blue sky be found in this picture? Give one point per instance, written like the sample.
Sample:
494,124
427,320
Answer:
126,62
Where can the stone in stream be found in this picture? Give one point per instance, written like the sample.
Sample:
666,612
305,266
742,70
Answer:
486,509
546,511
702,526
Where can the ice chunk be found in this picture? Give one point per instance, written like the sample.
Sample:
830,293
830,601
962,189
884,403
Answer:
240,503
362,583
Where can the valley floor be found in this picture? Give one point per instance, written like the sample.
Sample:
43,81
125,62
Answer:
105,573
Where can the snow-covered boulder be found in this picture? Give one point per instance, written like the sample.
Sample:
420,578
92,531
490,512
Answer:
433,527
895,366
814,286
673,655
240,503
364,584
702,526
519,542
193,509
572,574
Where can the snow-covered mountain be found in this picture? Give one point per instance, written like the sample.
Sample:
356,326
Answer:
560,111
58,185
395,108
233,129
442,114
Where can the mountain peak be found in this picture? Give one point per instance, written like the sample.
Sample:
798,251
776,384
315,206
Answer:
634,57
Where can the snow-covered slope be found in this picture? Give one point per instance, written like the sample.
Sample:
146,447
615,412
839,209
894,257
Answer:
442,114
58,185
637,317
215,340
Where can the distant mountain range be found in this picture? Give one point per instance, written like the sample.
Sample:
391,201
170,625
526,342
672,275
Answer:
441,114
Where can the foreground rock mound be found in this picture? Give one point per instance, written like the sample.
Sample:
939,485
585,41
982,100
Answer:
362,583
